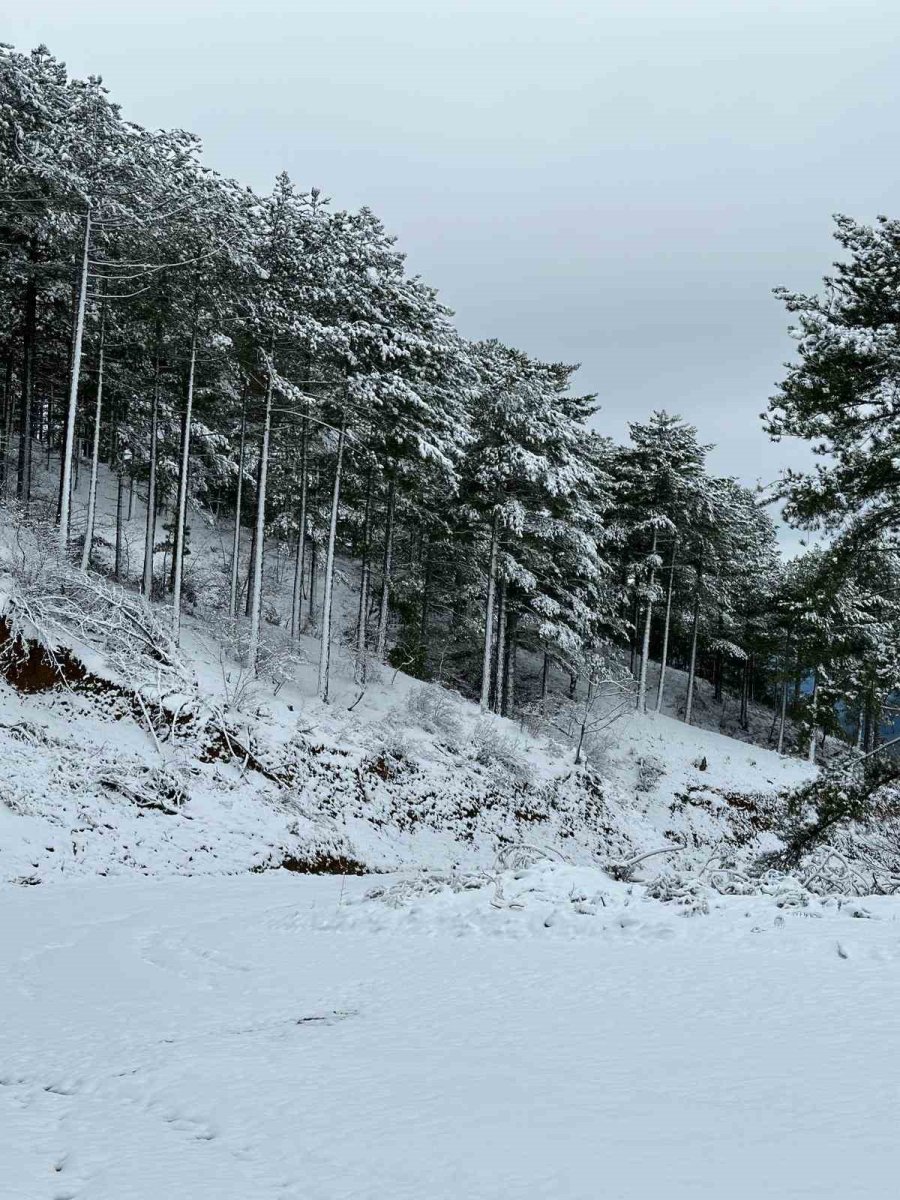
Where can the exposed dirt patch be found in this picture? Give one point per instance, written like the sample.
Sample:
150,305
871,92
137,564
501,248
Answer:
384,767
317,864
28,667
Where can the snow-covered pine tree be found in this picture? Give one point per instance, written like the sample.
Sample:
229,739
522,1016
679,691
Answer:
662,490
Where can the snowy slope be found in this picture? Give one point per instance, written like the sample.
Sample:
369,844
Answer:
395,773
84,790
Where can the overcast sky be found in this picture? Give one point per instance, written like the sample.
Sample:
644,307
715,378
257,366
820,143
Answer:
612,182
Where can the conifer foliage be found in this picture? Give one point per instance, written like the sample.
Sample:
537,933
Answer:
268,362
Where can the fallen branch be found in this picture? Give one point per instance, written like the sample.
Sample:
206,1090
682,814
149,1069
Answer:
622,871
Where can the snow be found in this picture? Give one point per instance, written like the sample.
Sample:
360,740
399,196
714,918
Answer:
492,1015
60,818
72,768
282,1036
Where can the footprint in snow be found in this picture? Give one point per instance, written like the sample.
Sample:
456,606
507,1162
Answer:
195,1127
330,1018
63,1087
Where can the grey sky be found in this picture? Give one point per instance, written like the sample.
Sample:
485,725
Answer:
618,183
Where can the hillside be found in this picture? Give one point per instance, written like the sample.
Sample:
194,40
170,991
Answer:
217,772
397,773
86,791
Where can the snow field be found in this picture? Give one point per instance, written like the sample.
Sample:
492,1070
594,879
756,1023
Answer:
278,1036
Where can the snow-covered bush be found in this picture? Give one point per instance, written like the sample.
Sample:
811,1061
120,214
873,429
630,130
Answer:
240,689
673,888
430,883
276,662
786,891
650,771
584,718
205,585
491,747
163,787
436,710
846,793
393,742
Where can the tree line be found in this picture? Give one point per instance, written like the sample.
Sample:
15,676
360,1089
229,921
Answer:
269,359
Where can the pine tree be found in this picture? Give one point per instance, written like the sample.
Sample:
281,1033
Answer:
662,486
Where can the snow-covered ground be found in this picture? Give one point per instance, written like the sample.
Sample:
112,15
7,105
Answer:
396,773
84,788
280,1036
492,1016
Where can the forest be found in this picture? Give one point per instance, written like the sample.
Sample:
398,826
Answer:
267,362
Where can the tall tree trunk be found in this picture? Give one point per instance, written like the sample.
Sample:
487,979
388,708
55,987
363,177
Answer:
665,646
692,669
500,655
238,501
489,618
784,695
645,647
813,715
50,415
150,527
65,518
120,505
585,713
325,649
381,642
260,537
635,621
8,412
745,694
300,562
545,680
29,333
363,612
427,579
70,359
509,664
95,453
313,579
181,513
248,605
7,379
182,436
42,411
